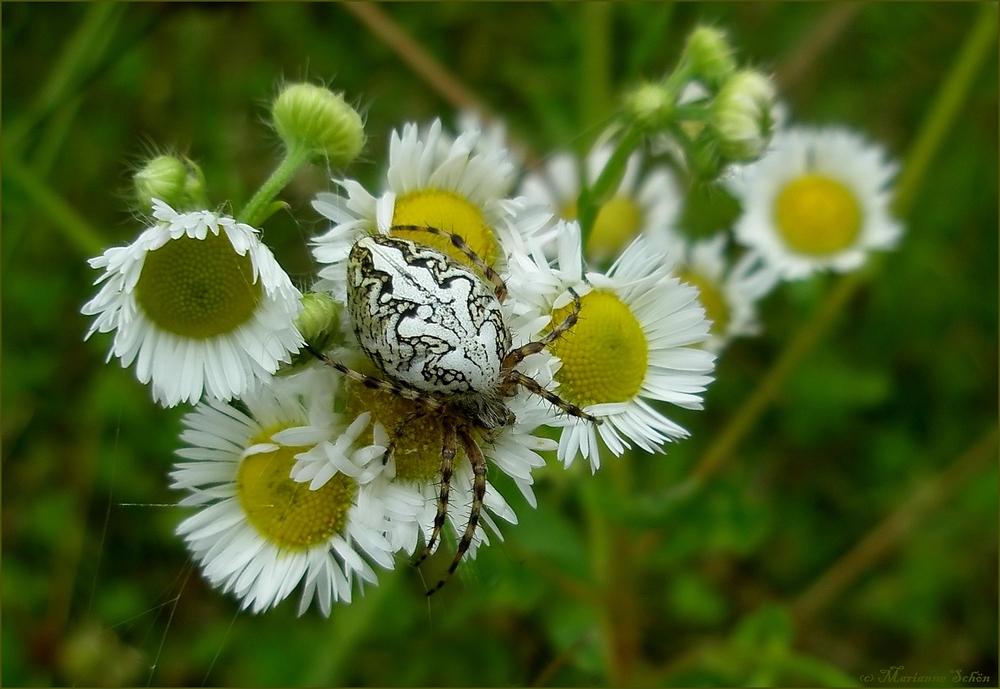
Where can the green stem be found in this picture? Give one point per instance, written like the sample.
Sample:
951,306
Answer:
981,41
75,229
258,207
593,197
80,54
595,63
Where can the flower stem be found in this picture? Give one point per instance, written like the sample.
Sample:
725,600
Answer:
982,39
593,197
258,207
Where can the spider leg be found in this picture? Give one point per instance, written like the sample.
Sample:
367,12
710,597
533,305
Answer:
412,416
448,451
532,385
478,493
428,403
518,355
499,288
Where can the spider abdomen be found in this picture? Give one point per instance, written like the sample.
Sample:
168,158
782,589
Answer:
425,319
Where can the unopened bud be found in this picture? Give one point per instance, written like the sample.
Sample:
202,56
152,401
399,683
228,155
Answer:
322,121
741,115
651,106
710,55
164,178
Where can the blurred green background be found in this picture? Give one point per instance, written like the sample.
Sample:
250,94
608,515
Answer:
831,517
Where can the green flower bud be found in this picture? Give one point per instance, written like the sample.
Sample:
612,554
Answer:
319,325
741,115
710,56
651,106
178,183
164,178
316,118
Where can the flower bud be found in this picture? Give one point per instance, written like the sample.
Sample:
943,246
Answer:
320,120
741,115
319,325
651,106
710,55
164,178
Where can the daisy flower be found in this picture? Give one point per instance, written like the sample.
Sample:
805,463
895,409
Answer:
634,342
259,533
198,304
647,204
818,199
453,184
729,293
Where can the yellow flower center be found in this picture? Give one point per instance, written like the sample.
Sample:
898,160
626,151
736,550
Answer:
445,210
198,288
817,215
617,222
605,355
711,298
285,512
418,435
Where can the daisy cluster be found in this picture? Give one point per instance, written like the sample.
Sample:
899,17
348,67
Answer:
310,462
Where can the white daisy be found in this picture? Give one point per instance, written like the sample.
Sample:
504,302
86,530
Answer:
199,304
818,199
729,292
259,533
633,343
455,184
646,203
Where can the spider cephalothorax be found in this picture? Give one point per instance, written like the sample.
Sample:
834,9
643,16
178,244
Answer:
436,330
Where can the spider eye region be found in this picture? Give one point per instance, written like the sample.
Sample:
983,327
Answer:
425,319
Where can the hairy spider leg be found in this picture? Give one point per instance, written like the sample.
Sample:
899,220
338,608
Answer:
475,455
519,354
431,404
448,450
410,417
499,288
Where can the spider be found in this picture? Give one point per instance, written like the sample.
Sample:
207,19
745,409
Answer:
435,329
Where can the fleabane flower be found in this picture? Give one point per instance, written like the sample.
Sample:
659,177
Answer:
259,533
198,304
645,203
818,200
458,184
728,291
635,342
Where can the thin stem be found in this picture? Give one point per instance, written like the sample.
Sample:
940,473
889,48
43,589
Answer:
796,350
256,209
888,534
981,41
594,77
80,54
430,69
73,227
593,197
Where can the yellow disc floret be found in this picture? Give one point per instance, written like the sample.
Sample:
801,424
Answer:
417,434
817,215
605,355
618,221
285,512
445,210
198,288
710,296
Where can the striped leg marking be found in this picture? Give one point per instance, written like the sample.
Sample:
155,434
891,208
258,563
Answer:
478,494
